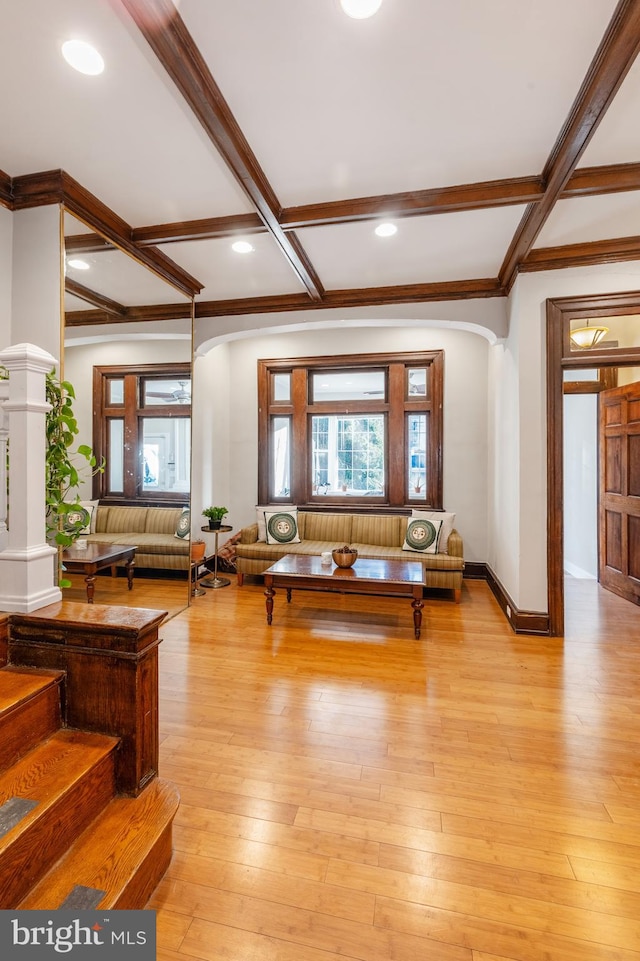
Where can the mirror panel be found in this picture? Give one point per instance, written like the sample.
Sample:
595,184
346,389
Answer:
97,334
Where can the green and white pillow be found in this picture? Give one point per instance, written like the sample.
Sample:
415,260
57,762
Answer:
282,526
183,527
448,520
422,536
77,519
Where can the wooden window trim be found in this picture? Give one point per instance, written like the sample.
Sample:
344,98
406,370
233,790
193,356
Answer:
131,412
395,408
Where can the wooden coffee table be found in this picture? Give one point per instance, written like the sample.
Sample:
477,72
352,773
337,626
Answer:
94,558
367,576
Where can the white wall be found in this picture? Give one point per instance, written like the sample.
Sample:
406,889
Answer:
37,288
231,371
580,442
6,266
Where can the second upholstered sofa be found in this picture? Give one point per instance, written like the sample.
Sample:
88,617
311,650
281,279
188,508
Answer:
374,535
151,529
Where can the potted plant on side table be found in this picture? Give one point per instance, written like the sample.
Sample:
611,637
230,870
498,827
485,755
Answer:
215,515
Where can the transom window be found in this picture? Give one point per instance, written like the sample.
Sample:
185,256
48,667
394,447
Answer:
363,429
142,429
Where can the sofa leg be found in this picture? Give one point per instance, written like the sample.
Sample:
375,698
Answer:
240,579
457,593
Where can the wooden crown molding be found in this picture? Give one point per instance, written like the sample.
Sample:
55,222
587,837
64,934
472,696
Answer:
57,187
608,69
166,33
364,297
6,190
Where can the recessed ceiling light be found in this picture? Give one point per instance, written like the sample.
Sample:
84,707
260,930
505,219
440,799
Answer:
360,9
386,230
78,264
83,57
242,247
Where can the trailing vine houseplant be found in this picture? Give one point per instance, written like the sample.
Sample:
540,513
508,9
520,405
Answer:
62,477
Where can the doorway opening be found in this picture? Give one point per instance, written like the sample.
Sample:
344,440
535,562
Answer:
622,313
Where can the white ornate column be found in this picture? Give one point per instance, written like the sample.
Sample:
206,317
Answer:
27,563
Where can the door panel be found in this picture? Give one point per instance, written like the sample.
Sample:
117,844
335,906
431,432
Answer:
619,473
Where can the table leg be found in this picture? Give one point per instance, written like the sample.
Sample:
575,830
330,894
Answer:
90,581
129,567
288,595
268,593
417,605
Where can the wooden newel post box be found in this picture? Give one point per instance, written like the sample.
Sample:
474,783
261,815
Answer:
110,658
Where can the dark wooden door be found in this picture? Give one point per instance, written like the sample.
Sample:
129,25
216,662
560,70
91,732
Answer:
619,510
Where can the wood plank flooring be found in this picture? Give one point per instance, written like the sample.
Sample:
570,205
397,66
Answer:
349,792
157,594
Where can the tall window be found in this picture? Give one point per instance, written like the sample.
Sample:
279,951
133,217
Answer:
363,429
142,428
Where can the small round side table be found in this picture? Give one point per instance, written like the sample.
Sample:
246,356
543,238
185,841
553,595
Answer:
214,580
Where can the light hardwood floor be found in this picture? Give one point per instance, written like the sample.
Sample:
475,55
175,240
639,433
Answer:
157,594
349,792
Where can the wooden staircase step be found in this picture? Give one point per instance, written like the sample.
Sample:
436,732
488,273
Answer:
121,856
70,777
29,710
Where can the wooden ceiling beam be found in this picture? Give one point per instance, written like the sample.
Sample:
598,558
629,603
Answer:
111,307
208,229
145,313
588,181
607,179
582,255
358,297
438,200
608,69
166,33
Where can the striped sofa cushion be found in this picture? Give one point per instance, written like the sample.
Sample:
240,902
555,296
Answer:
377,529
335,528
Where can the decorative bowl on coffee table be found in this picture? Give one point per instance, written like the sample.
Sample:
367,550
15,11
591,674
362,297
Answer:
344,556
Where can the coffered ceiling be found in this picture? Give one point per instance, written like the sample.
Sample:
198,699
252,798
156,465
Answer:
498,137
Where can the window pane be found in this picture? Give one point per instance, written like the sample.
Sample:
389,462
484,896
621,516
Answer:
159,392
348,385
282,388
115,459
417,460
417,382
281,457
348,455
166,453
115,391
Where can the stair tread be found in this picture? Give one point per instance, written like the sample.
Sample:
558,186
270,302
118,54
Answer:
106,855
17,687
37,775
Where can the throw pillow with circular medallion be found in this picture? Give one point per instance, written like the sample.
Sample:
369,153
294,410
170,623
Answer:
77,520
422,536
183,527
281,527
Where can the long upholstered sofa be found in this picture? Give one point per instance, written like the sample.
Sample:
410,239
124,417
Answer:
151,529
374,535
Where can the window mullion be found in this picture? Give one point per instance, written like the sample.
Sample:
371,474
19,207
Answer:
299,440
